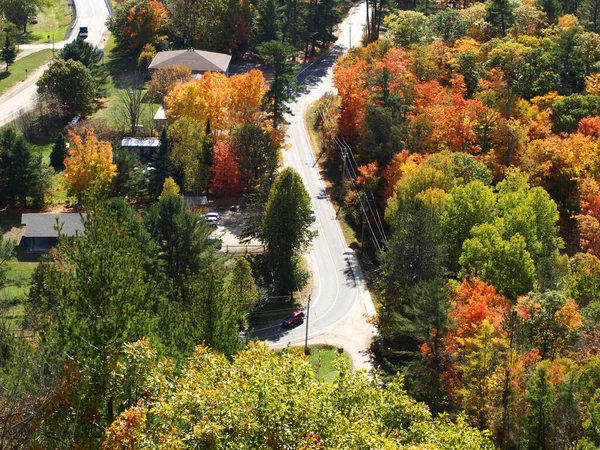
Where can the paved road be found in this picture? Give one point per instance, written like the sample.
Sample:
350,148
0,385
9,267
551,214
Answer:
338,284
22,96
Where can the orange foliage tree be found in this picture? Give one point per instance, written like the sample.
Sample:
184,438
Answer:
226,101
349,78
588,220
89,163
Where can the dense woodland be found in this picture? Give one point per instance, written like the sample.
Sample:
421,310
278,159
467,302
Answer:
475,131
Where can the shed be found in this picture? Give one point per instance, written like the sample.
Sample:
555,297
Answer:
160,119
41,229
144,148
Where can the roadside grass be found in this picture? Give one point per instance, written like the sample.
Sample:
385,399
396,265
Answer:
22,68
53,19
322,359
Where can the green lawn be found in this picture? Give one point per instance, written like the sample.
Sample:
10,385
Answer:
19,278
22,68
53,19
322,358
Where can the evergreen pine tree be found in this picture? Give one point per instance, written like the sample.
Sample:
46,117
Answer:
9,52
163,167
59,151
500,14
23,175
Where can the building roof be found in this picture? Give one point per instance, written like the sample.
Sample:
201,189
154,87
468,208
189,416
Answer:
44,224
160,114
196,201
134,142
198,61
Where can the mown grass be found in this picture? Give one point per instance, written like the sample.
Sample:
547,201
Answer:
22,68
322,359
53,19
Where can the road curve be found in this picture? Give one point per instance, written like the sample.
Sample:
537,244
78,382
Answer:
337,279
22,96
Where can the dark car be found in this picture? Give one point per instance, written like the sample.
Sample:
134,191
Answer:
293,319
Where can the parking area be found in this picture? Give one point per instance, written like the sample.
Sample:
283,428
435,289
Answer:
229,228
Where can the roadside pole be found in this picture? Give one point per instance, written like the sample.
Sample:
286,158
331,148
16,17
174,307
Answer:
306,337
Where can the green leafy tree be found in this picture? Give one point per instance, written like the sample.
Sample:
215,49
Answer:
286,228
9,52
567,112
240,287
91,57
20,12
72,83
283,85
416,250
466,206
59,151
530,212
448,24
407,28
506,264
350,412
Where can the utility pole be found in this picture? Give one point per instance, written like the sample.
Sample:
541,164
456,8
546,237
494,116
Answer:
362,226
350,40
307,316
52,44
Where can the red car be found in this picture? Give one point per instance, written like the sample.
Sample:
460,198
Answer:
293,319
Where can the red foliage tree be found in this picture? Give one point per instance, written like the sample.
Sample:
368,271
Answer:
226,177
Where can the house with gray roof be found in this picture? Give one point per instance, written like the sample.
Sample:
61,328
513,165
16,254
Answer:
42,229
199,61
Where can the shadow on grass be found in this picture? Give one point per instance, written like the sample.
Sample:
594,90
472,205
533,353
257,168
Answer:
122,68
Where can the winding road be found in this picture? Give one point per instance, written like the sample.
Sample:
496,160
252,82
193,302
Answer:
22,96
338,281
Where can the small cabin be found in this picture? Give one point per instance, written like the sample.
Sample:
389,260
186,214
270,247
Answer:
144,148
42,229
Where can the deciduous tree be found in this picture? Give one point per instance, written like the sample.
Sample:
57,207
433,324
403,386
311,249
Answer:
89,164
135,23
72,83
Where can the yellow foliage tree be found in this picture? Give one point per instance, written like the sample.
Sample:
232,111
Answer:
592,84
89,163
170,187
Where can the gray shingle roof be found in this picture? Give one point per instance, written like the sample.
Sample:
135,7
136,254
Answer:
43,224
134,142
198,61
